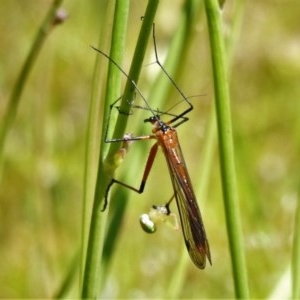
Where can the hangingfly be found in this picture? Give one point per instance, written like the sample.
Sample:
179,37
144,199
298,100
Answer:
166,138
190,217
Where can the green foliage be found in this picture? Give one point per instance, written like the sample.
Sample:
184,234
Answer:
50,158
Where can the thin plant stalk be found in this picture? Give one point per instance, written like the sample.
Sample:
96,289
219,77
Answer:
296,257
68,280
206,162
93,272
52,18
92,269
94,122
129,93
228,174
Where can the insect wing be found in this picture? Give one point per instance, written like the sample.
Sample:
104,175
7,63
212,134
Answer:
192,227
190,217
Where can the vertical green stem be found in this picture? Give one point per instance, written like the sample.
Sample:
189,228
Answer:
51,19
133,74
296,256
93,271
92,141
230,194
129,93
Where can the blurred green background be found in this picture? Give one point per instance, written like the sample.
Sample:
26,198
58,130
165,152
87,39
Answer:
41,188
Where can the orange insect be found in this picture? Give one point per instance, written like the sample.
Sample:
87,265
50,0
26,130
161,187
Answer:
166,138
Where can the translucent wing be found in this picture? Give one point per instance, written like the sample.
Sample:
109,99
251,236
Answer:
192,225
190,216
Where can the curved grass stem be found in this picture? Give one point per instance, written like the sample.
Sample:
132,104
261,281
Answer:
51,19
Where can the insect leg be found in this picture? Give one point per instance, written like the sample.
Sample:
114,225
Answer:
140,190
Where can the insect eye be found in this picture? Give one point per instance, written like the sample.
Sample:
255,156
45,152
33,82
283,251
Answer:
152,119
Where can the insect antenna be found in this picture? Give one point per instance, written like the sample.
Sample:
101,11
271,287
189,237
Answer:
180,116
128,78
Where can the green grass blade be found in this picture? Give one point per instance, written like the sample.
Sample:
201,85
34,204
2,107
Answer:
93,274
51,19
118,212
92,271
68,280
229,185
119,209
296,257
